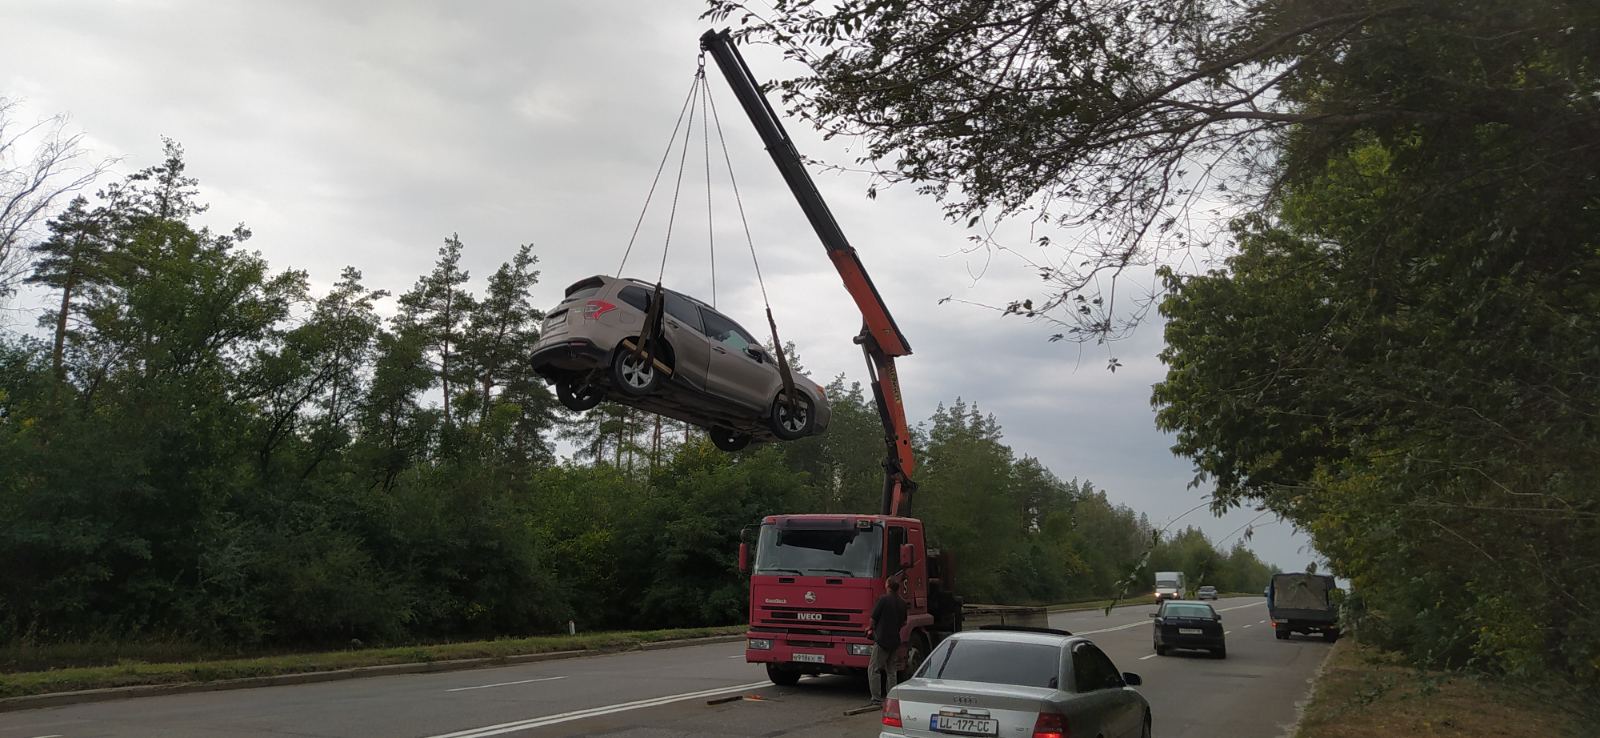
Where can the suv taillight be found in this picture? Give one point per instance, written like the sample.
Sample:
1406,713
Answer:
1051,725
891,713
593,309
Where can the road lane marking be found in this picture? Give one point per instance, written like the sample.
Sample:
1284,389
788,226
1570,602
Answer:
506,684
1249,625
1151,656
1147,622
52,735
1108,630
1228,633
737,656
566,717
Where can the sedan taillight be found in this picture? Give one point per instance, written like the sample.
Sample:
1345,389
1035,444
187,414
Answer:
1051,725
891,713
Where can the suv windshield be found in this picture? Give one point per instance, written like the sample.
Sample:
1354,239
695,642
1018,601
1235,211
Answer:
843,551
996,662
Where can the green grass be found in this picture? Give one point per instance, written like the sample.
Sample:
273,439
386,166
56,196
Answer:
131,672
1366,692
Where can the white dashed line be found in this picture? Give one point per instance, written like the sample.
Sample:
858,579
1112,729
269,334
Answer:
1151,656
1228,633
1249,625
539,722
506,684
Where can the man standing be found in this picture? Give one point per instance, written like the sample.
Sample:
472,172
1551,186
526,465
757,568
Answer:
888,617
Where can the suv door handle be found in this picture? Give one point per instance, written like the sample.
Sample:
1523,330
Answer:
719,349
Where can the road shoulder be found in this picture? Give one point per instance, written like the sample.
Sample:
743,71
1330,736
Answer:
1363,691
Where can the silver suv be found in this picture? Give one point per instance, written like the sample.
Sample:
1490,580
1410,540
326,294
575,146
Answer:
706,369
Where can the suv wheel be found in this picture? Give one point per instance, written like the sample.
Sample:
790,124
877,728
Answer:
578,395
634,374
792,420
729,440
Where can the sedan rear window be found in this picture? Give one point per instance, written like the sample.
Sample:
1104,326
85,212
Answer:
1190,611
996,662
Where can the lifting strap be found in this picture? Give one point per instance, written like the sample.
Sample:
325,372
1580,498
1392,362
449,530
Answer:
788,396
700,93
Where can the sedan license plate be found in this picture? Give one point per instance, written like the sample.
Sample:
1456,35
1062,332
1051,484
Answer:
960,725
809,658
1190,631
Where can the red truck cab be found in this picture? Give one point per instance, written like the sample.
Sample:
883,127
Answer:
813,582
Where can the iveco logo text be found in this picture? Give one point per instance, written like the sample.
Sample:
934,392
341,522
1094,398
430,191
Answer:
811,597
808,616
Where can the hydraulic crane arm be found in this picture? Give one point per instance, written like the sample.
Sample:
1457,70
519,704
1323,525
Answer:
880,339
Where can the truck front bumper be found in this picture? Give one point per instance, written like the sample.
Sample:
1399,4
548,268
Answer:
819,654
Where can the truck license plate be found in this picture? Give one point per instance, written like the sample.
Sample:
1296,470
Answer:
1190,631
809,658
958,725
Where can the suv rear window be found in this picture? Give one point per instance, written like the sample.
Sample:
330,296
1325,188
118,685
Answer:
585,288
996,662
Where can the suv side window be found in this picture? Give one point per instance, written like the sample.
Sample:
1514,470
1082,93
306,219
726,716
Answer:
637,297
727,332
1092,670
684,311
680,309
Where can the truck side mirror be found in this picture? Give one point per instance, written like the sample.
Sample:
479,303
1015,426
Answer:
744,557
908,555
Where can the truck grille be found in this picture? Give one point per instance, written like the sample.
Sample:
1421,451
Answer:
808,616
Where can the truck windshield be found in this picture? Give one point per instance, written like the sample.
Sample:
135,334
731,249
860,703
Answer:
1166,584
840,551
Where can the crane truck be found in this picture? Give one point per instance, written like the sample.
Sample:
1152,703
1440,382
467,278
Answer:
815,577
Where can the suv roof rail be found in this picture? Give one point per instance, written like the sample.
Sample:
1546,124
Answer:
1026,629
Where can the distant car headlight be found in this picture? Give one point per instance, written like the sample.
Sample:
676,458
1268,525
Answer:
860,649
761,644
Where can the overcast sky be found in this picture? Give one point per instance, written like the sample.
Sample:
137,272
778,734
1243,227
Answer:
364,132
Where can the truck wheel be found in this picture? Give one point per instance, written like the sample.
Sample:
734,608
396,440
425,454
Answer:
915,653
1281,633
782,675
1221,653
1331,635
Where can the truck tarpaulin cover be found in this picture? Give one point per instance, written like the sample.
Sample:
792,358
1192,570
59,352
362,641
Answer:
1301,592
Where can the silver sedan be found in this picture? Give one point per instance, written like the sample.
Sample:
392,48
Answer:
1017,682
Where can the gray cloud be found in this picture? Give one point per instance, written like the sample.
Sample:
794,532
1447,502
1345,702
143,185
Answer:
362,133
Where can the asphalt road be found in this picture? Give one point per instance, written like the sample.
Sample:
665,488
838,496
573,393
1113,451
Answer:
1251,694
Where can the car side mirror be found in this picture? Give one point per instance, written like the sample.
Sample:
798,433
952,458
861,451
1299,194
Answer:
755,353
1131,679
1155,615
1219,617
744,557
908,555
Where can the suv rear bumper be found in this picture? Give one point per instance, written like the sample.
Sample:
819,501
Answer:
572,354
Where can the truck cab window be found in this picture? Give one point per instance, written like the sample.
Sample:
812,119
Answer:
891,555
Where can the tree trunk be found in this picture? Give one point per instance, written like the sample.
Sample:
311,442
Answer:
61,325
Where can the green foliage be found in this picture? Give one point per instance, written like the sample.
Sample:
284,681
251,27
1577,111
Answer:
216,456
1401,356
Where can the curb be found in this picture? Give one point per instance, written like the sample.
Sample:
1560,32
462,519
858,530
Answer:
58,699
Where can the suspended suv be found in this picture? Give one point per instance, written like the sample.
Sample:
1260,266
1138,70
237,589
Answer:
699,366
